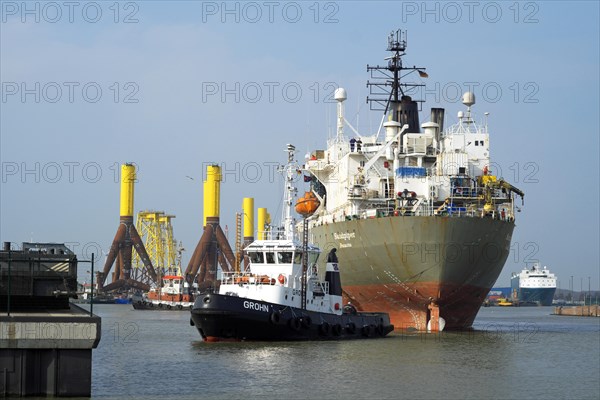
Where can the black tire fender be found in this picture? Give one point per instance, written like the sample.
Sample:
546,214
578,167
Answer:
295,324
306,321
336,330
366,330
275,317
351,327
324,328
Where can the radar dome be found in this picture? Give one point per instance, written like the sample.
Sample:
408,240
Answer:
468,99
340,94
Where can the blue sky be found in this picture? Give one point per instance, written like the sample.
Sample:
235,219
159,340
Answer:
175,85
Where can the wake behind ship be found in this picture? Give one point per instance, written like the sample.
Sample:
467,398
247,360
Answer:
421,224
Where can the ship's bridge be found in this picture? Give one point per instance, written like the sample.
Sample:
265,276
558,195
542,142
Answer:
271,257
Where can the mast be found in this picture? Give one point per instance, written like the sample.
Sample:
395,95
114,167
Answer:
387,92
289,171
340,96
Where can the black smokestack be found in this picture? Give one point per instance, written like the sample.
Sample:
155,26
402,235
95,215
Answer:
437,116
408,114
332,274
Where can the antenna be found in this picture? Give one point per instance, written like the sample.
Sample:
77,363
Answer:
386,91
290,192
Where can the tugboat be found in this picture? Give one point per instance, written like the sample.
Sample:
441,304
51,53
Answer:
280,295
173,295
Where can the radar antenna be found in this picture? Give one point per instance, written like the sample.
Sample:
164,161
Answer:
386,91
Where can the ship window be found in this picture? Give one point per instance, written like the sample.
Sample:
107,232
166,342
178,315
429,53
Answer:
284,257
256,257
270,258
298,257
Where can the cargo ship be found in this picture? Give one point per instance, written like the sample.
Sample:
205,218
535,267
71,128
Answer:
534,286
279,295
422,225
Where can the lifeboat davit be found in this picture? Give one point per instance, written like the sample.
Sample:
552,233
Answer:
308,204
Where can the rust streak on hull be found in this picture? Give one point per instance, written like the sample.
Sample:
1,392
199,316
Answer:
411,310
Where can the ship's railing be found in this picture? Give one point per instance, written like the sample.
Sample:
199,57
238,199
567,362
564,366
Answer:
320,287
234,278
465,201
473,209
466,191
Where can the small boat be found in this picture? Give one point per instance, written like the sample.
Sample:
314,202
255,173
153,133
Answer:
172,295
504,303
280,295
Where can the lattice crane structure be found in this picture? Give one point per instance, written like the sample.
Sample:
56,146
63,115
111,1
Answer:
156,230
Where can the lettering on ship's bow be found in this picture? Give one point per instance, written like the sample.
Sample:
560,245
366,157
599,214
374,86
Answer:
256,306
344,236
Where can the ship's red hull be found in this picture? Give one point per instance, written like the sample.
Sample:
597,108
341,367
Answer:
409,308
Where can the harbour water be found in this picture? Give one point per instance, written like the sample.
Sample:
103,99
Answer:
514,353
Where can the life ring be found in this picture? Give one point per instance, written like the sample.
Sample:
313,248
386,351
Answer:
275,317
294,323
324,329
336,329
350,309
179,306
351,327
306,321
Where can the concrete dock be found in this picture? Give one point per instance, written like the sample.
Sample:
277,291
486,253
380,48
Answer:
578,311
47,353
45,341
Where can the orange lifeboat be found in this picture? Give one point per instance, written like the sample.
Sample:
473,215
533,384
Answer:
307,205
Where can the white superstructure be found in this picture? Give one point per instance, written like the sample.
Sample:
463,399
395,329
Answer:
406,168
410,173
535,278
